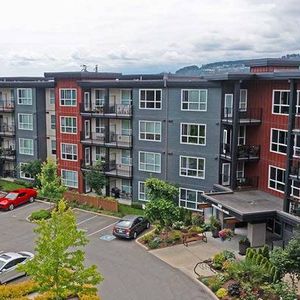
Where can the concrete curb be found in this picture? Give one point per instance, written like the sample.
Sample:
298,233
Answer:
138,240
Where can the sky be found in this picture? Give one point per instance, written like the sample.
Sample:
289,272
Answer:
147,36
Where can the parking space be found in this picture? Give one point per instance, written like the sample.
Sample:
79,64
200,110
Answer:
130,272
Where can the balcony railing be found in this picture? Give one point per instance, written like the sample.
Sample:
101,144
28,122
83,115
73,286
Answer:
118,170
119,194
121,110
246,183
244,152
6,129
9,173
250,116
294,206
7,105
111,140
7,153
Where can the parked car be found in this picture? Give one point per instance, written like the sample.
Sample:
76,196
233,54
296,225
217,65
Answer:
17,197
129,227
9,262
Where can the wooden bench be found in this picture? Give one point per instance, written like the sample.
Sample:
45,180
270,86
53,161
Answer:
192,237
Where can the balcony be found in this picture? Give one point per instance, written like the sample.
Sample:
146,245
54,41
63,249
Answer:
7,154
112,111
252,116
7,130
7,105
247,183
244,152
118,170
113,140
294,206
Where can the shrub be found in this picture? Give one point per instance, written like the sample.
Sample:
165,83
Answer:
221,293
26,184
176,235
177,225
196,229
40,215
147,238
158,229
154,244
214,283
18,290
197,219
220,258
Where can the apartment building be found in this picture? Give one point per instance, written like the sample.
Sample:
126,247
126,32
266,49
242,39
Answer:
22,123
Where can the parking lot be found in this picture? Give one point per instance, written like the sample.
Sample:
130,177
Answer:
130,272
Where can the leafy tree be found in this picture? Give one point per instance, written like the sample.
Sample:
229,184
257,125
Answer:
33,168
162,210
51,186
58,266
96,178
159,189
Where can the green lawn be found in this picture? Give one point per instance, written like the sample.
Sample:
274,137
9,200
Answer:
7,186
128,210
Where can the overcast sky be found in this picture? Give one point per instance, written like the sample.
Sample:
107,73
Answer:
142,35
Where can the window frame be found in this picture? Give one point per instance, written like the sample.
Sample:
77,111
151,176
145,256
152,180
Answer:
198,137
276,182
28,99
21,172
70,99
154,101
197,170
62,154
199,100
63,180
280,105
147,152
186,200
71,117
52,125
246,100
145,133
23,139
277,143
19,123
144,193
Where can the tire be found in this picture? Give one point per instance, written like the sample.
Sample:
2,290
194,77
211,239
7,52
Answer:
31,199
148,225
11,207
134,235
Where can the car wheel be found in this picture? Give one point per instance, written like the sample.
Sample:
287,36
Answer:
31,199
11,207
148,225
134,235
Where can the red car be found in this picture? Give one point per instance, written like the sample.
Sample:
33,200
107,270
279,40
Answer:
17,197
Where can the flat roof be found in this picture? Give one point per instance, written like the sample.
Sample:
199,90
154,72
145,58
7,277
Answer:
272,62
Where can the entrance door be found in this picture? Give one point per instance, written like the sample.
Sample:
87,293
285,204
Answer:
225,173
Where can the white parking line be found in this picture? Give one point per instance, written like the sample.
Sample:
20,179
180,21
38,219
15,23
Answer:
101,229
93,217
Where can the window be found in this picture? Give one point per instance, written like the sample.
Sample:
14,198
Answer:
276,179
68,151
69,178
53,122
278,141
100,127
53,147
25,121
281,102
100,154
126,127
126,157
51,96
297,145
23,174
150,131
68,97
240,170
87,156
68,125
243,100
24,96
99,98
142,191
149,162
150,99
87,129
193,134
295,189
192,167
126,186
228,105
194,100
26,146
126,97
242,135
189,198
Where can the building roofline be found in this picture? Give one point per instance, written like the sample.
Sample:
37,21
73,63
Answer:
272,62
82,75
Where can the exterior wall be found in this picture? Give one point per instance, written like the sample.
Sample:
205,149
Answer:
51,133
271,69
170,147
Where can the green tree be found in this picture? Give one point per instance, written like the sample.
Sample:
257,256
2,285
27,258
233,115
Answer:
162,210
159,189
58,266
33,168
50,183
96,178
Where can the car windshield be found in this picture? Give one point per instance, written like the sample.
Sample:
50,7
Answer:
11,196
2,263
124,223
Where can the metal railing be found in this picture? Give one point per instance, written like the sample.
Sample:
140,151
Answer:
7,105
119,140
7,153
251,115
7,129
115,109
114,169
248,182
243,151
9,173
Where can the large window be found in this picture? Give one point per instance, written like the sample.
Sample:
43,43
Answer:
68,125
68,151
24,96
69,178
24,175
189,198
276,179
150,131
126,157
126,127
126,97
194,100
193,134
99,98
26,146
53,121
281,101
192,167
150,99
25,121
142,191
149,162
68,97
278,141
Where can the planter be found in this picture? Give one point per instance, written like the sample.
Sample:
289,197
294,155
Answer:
243,248
215,233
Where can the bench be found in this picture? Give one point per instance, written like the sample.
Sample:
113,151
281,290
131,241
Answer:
192,237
